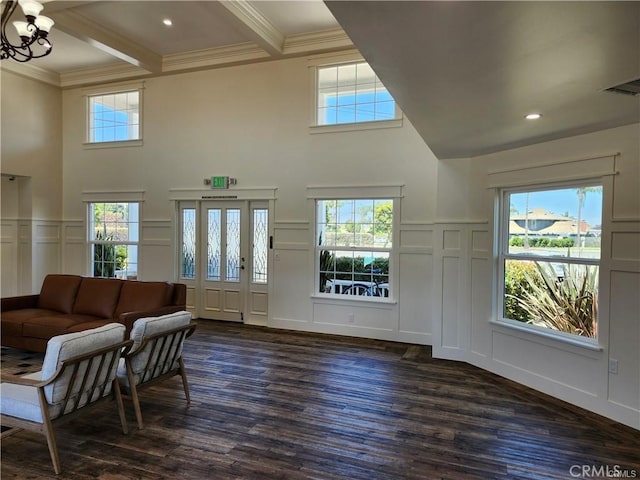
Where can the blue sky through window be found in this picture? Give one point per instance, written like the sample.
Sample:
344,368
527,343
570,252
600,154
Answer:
110,125
562,201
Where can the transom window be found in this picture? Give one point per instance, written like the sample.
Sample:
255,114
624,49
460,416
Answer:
550,239
114,233
114,117
352,93
355,240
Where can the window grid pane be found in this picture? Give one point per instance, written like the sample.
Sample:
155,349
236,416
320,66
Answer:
364,226
113,235
352,93
114,117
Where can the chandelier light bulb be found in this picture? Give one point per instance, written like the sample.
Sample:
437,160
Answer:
30,8
23,29
44,24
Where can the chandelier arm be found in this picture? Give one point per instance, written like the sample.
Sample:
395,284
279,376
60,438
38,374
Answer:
23,52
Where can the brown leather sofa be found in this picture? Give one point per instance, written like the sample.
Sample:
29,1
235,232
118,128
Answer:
71,303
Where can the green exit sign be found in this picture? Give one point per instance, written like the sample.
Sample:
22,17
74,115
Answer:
219,182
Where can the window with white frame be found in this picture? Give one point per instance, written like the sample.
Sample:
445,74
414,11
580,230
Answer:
114,117
354,246
549,257
352,93
114,233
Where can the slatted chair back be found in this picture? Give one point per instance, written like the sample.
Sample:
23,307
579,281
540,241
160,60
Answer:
160,353
156,354
84,379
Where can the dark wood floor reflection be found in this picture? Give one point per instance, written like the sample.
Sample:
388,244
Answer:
272,404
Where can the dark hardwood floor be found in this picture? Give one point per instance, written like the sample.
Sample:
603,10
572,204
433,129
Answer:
272,404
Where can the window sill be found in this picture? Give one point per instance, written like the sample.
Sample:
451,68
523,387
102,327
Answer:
355,300
568,340
349,127
124,143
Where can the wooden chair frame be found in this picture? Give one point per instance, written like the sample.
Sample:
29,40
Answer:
152,373
107,358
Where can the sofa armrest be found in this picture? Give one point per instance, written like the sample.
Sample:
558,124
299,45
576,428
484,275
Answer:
127,318
18,303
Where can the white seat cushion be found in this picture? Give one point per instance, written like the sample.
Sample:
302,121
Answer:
20,401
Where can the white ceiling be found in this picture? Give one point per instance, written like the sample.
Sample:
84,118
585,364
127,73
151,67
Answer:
464,73
97,40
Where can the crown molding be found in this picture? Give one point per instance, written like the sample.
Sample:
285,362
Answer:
243,53
105,74
31,71
334,39
213,57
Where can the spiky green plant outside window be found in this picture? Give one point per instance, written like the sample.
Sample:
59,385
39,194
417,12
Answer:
568,304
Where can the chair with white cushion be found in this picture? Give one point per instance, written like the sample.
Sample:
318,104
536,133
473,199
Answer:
156,354
79,370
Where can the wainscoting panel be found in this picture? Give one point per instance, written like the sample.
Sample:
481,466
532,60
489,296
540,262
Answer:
624,386
9,257
549,364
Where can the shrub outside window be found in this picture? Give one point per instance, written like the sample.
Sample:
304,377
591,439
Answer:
114,235
354,246
550,256
352,93
114,117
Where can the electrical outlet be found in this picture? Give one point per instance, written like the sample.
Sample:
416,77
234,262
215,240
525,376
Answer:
613,366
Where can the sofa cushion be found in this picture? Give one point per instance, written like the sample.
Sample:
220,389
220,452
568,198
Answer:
98,297
47,327
58,292
142,296
13,320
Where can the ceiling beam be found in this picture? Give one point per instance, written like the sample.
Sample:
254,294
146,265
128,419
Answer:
82,28
256,25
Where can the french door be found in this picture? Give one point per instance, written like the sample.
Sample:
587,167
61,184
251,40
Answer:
224,259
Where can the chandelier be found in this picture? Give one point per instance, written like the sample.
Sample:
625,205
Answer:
33,33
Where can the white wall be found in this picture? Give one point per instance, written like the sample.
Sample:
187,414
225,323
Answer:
252,122
31,150
465,266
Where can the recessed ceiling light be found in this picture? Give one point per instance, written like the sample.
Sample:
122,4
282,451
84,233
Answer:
167,22
532,116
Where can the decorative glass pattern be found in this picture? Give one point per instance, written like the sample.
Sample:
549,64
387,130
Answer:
188,260
233,245
260,245
213,243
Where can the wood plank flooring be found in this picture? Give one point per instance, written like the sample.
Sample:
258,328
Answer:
273,404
